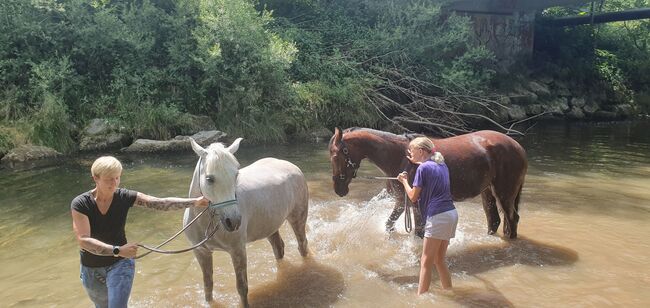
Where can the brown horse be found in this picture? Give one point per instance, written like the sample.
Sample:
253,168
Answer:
485,162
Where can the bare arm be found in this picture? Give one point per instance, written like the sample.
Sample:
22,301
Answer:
81,227
171,203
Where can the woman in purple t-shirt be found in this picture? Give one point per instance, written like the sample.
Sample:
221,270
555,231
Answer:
432,191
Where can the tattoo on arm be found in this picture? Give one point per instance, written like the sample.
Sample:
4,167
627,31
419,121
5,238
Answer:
164,204
95,247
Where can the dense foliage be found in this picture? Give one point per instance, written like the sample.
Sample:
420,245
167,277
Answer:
146,64
614,55
262,70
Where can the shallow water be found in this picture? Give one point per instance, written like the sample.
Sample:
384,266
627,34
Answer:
583,234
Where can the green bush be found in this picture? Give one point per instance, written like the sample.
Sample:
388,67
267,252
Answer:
50,126
7,141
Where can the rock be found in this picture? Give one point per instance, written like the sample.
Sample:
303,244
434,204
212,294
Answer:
321,134
97,127
624,110
540,89
533,109
178,144
546,80
100,135
575,113
318,135
515,112
590,108
111,140
577,102
205,138
504,100
523,98
501,114
158,146
562,103
30,156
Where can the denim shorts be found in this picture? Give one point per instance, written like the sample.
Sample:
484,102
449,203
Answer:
442,226
109,286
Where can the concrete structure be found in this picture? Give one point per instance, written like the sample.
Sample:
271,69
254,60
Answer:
507,27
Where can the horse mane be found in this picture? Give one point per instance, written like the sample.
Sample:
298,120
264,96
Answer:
383,134
226,159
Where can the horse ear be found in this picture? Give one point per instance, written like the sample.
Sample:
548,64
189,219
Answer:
235,146
200,151
337,135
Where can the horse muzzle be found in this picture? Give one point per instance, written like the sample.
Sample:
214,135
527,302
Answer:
231,223
341,189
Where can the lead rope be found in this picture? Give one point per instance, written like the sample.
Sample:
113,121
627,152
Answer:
207,237
408,224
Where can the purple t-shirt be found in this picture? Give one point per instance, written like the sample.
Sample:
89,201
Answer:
435,197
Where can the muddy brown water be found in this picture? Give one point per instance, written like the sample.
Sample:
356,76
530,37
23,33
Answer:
584,234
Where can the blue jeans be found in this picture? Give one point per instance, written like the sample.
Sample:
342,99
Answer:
109,286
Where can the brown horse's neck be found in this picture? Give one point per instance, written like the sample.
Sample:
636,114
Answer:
388,152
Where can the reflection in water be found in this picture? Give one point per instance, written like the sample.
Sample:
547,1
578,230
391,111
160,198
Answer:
583,234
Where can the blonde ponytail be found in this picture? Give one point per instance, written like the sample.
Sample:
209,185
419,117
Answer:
438,158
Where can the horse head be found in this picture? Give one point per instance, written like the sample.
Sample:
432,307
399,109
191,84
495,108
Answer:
345,163
216,175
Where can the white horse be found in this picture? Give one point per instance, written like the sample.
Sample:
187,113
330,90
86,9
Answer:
267,192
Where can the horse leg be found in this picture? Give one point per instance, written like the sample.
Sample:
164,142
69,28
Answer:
508,199
204,257
394,215
239,262
278,244
514,215
417,220
491,210
298,222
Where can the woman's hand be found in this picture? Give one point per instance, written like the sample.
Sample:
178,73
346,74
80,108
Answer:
128,250
410,157
402,177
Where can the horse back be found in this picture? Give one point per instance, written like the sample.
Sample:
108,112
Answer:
476,159
268,191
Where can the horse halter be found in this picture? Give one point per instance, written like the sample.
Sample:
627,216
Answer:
348,163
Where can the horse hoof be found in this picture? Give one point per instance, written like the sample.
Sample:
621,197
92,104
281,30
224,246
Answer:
490,232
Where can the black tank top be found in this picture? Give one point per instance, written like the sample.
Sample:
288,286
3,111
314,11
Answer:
107,228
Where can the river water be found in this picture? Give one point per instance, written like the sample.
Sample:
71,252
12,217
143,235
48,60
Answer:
583,235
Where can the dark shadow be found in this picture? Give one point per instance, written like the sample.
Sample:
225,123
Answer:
214,304
485,257
489,296
309,284
481,258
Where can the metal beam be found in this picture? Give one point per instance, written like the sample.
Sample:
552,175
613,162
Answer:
634,14
507,6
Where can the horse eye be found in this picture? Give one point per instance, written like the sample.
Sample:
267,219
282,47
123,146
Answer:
210,179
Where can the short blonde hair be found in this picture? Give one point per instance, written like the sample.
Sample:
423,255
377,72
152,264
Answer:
427,145
106,165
